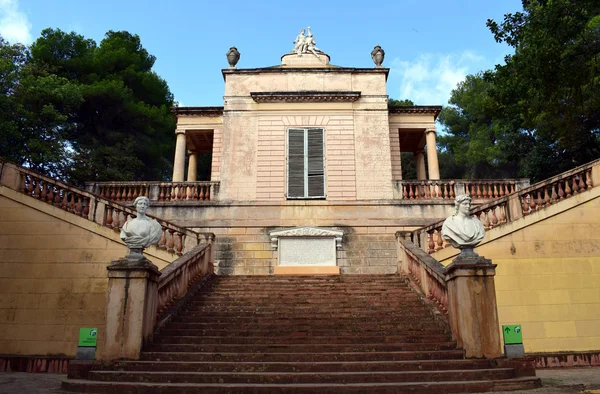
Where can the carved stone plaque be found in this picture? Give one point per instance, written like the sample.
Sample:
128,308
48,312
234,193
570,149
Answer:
307,251
306,246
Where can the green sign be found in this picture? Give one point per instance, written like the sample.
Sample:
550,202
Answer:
88,337
512,334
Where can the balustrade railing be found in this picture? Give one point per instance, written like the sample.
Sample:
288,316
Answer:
176,278
425,272
93,207
517,204
156,191
450,188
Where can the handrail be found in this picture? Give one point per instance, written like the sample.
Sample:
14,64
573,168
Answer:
93,207
156,190
177,278
516,205
426,272
448,189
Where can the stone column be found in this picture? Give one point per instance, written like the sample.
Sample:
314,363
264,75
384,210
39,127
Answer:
432,158
472,309
130,307
179,161
420,161
192,175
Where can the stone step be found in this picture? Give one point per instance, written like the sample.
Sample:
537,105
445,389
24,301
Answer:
167,335
87,386
297,357
302,377
309,320
186,344
251,331
344,366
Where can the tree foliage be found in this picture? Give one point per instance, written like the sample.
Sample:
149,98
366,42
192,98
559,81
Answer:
537,114
89,112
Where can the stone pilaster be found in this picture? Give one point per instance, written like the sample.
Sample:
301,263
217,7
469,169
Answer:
472,309
130,307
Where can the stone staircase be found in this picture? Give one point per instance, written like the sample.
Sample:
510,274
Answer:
336,334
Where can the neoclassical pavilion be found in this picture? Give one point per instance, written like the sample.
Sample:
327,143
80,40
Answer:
251,135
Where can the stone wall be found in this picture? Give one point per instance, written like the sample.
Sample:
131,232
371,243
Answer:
248,251
548,274
53,276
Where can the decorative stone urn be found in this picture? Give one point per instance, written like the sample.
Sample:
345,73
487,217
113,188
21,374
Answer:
377,54
233,56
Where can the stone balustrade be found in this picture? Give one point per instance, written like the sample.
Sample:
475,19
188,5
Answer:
177,278
98,209
156,191
448,189
424,271
515,205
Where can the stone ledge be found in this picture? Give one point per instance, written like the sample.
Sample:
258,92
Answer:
308,270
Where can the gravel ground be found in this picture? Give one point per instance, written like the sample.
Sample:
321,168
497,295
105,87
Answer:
555,381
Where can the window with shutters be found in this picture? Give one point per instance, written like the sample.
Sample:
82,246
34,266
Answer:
305,163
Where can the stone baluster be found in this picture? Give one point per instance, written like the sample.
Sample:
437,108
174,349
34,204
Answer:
502,213
439,240
575,184
431,244
78,206
581,182
179,244
43,192
404,192
171,241
116,222
494,220
207,194
195,195
108,216
189,192
567,188
411,195
588,179
162,243
86,207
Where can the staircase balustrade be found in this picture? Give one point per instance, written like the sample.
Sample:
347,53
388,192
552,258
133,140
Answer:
424,271
517,204
98,209
156,191
177,278
448,189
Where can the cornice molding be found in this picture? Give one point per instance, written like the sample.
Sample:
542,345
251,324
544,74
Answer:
305,97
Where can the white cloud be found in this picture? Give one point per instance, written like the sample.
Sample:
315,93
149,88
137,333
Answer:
429,79
14,25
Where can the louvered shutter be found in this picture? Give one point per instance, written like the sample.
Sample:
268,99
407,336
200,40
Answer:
296,163
316,173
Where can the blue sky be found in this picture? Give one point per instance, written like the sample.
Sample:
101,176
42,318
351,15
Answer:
430,45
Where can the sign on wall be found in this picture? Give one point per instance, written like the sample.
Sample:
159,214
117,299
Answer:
88,337
512,334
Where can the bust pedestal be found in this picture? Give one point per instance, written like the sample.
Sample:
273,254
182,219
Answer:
130,307
472,309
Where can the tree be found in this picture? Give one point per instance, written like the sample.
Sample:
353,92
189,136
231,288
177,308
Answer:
83,112
35,111
393,103
553,79
484,138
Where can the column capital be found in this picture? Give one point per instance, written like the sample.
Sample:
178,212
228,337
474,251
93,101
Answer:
433,130
179,131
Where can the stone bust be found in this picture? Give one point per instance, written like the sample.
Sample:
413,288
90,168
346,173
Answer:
141,232
460,229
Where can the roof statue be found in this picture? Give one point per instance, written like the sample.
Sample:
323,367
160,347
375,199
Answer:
306,44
